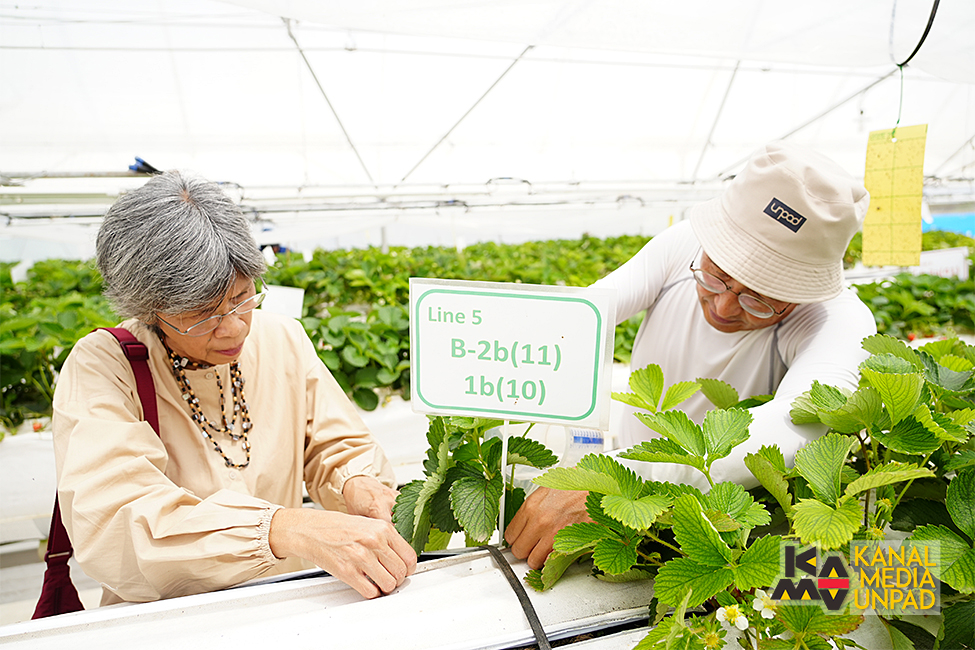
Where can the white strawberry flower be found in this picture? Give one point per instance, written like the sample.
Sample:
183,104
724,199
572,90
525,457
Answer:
763,603
732,615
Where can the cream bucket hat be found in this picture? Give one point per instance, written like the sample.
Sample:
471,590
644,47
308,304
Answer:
783,225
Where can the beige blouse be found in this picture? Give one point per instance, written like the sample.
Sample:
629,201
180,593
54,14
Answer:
153,518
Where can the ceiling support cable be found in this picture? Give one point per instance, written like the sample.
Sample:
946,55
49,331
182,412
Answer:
464,116
714,125
737,164
968,144
287,24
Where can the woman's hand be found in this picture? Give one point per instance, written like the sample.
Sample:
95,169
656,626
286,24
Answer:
366,496
545,512
365,553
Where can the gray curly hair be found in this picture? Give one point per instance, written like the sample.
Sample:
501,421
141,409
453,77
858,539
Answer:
174,245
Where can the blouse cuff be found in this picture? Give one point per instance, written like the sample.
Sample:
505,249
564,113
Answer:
264,532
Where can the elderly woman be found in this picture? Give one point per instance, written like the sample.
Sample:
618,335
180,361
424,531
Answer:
247,412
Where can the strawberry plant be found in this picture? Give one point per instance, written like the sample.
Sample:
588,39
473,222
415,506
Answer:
463,482
898,456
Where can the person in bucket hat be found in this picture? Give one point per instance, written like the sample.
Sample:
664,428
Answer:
749,290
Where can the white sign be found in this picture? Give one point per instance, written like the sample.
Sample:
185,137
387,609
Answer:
944,262
512,351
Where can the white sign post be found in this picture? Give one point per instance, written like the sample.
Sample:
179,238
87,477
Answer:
512,351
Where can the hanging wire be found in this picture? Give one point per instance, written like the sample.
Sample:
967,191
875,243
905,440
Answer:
462,117
348,138
900,66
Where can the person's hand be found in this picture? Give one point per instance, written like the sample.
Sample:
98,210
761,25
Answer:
366,554
366,496
545,512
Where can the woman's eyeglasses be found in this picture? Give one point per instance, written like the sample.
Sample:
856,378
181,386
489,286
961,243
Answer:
754,306
207,325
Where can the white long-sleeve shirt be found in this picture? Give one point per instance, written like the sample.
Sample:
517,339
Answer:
818,341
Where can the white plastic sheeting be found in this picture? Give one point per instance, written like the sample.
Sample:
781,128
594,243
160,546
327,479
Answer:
456,602
340,119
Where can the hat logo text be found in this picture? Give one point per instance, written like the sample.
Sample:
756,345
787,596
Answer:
785,215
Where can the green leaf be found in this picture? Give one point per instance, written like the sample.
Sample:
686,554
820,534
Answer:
947,379
888,474
961,574
724,430
613,555
353,357
648,384
721,394
942,426
633,400
403,509
897,382
634,574
949,361
594,509
732,499
630,485
677,393
961,459
806,407
660,450
883,344
678,428
755,400
580,537
513,500
908,437
577,478
476,502
697,536
911,513
331,359
958,625
555,565
638,514
759,565
679,575
803,620
861,410
827,527
437,541
773,455
952,548
365,398
771,477
821,464
441,512
961,501
526,451
367,377
919,638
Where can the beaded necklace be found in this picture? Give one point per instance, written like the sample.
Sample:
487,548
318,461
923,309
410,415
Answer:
206,426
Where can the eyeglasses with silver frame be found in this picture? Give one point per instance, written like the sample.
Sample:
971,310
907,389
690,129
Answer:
207,325
754,306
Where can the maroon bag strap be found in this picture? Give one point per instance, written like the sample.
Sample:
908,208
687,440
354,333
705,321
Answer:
58,593
138,355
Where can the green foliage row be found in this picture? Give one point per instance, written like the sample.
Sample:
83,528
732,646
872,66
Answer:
899,456
355,307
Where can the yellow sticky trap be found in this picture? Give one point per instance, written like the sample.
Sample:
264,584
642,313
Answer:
894,177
